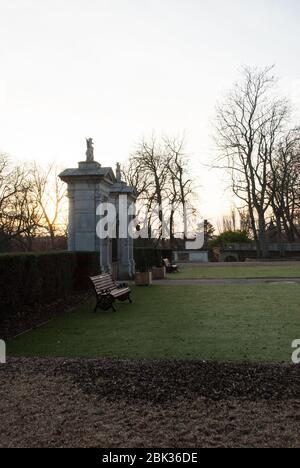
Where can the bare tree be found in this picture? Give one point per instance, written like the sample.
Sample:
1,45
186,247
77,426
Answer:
31,203
26,216
245,221
180,184
230,221
149,173
250,123
140,181
158,170
11,179
284,186
49,194
136,178
19,213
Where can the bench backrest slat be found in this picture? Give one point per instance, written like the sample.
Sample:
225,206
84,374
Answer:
103,282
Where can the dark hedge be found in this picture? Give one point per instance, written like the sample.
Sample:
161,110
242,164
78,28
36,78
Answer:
29,280
147,258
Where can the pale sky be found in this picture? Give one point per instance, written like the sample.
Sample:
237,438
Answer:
116,70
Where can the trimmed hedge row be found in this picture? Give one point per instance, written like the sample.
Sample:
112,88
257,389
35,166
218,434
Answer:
147,258
28,280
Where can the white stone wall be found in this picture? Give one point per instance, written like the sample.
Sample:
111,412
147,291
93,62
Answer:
191,256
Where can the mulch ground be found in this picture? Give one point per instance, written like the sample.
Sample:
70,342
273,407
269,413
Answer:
174,404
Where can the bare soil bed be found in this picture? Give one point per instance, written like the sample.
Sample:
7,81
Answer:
175,404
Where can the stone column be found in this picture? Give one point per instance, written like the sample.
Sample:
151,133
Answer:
71,224
125,266
131,257
104,243
88,185
125,242
131,240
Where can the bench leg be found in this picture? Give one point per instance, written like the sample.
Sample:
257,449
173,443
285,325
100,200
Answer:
105,302
125,297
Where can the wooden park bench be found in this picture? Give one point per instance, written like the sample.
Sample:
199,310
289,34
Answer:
171,268
107,291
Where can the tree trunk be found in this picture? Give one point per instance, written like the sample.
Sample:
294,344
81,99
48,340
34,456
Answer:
172,225
263,247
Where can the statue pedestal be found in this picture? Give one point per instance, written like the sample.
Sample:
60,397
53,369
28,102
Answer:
89,165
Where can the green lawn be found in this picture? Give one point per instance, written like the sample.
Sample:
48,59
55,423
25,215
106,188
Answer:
227,322
227,272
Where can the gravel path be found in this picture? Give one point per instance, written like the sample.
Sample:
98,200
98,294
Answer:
270,263
186,282
107,403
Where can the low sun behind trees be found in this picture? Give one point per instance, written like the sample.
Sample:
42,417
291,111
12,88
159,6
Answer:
33,203
262,153
31,206
257,145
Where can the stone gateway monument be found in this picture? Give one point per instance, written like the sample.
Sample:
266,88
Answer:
91,188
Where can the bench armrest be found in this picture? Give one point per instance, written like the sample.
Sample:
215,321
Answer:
104,292
120,285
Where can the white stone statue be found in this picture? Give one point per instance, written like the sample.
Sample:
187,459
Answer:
90,150
118,173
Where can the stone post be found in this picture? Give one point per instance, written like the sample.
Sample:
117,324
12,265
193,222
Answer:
89,185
